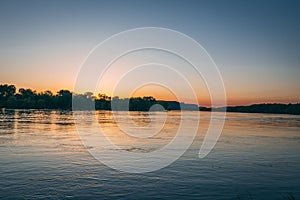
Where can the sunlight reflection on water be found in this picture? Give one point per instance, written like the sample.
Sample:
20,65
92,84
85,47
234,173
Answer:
42,156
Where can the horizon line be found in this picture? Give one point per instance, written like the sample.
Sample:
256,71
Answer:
206,105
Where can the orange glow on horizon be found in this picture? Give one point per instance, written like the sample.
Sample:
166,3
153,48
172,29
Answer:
164,94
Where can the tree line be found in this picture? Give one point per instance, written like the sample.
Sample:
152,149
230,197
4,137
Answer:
275,108
30,99
271,108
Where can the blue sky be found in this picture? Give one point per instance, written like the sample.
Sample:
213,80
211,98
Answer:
256,44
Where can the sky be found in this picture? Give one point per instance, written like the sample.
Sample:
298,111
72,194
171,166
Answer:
255,44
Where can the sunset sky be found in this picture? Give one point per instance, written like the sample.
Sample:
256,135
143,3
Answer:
255,44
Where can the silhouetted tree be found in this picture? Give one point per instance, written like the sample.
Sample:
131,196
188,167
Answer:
141,104
64,99
45,100
104,97
12,102
103,102
84,101
6,91
26,98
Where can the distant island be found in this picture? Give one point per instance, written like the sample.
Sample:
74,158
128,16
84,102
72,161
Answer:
62,100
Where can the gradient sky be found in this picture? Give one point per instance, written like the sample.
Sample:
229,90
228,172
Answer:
255,44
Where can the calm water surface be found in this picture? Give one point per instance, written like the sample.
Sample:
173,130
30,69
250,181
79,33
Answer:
42,157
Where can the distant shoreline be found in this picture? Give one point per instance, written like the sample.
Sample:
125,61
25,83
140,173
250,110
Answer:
265,108
274,108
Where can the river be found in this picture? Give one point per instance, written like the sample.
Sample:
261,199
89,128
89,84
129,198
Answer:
42,157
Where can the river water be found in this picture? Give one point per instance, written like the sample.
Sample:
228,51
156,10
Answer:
42,157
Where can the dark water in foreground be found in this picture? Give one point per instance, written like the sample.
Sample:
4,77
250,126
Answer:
256,157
